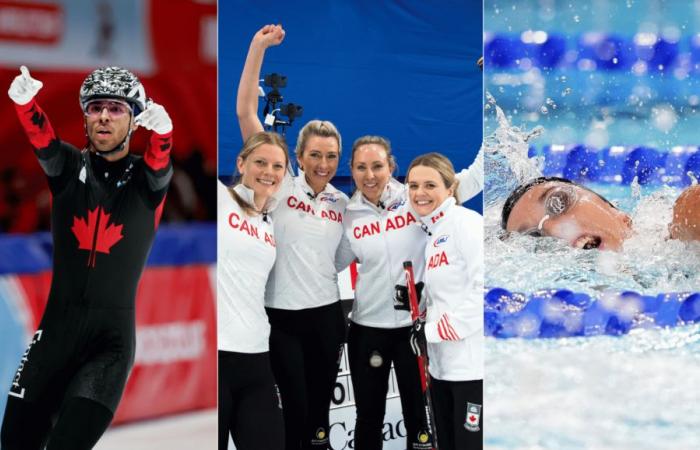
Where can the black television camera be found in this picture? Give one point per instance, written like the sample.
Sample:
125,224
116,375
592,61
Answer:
275,110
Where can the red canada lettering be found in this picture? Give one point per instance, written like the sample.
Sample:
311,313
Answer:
234,220
437,260
294,203
410,219
269,239
398,222
252,230
331,215
366,230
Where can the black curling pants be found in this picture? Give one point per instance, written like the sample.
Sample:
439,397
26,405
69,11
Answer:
249,404
305,348
370,382
459,415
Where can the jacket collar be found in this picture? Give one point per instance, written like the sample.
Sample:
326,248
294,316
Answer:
439,213
301,181
248,196
393,191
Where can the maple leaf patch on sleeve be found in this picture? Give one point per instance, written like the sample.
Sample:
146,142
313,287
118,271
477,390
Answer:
96,234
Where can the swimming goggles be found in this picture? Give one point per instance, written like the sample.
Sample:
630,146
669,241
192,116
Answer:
557,201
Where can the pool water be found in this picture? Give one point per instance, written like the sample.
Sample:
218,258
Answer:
634,391
638,391
649,262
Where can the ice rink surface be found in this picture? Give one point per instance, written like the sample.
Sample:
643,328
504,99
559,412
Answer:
180,432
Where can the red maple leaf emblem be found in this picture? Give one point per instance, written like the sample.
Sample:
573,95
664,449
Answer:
96,235
472,418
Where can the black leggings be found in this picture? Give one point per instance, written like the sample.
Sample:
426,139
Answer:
79,425
305,348
459,415
370,380
249,403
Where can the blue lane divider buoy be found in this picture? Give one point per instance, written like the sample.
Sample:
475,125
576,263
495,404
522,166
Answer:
645,163
642,52
605,51
678,166
556,313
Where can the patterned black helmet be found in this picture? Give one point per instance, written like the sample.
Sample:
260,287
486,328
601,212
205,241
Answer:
113,82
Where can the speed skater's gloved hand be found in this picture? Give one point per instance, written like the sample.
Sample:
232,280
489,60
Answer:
23,88
401,301
418,342
155,118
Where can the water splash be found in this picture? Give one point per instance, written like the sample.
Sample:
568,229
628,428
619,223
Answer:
635,186
649,262
507,162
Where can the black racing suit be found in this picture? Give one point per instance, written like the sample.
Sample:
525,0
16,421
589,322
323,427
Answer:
104,218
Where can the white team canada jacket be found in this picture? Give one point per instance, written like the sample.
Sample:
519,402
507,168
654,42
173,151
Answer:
308,229
381,238
246,253
454,285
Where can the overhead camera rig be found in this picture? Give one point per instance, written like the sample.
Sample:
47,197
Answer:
275,115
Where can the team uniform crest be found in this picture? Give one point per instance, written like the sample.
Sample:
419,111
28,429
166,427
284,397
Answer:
471,421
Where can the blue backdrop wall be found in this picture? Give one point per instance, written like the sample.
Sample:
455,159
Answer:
405,70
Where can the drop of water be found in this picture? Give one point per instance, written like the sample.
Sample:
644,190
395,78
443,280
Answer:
490,99
664,117
636,188
544,110
577,19
566,92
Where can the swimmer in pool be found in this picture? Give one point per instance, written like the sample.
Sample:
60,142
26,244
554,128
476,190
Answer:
558,207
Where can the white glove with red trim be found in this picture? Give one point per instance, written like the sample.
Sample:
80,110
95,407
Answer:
155,118
24,87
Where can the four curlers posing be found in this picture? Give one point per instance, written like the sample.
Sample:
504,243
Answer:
317,231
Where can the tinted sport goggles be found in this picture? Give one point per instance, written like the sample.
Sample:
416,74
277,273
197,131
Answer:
115,108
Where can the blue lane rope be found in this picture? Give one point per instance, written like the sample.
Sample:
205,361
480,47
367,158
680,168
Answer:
678,166
556,313
641,52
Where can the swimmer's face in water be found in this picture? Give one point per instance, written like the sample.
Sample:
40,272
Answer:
569,212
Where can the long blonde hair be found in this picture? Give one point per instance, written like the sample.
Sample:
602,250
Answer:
442,165
253,142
